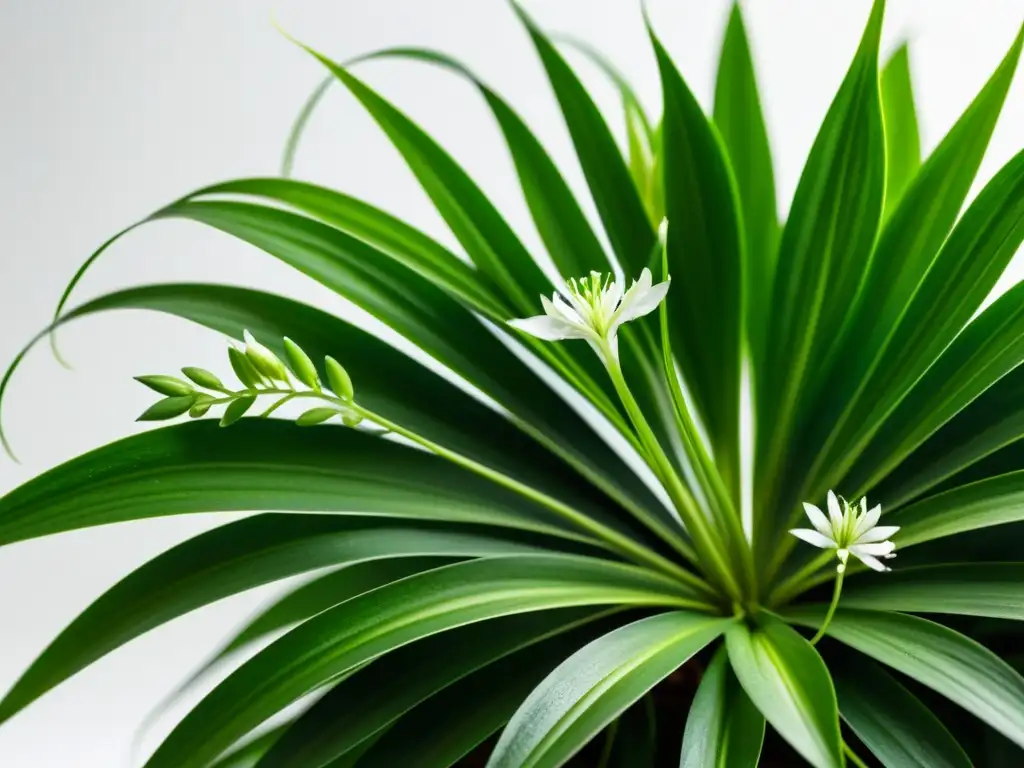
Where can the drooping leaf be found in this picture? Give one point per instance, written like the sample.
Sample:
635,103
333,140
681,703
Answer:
902,139
898,729
740,121
940,658
363,628
824,249
976,589
596,684
231,559
705,254
785,677
384,692
248,754
724,729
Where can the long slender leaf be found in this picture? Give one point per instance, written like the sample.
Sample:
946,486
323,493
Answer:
597,683
824,250
893,331
361,629
946,661
232,559
705,251
724,729
249,754
898,729
257,464
989,589
902,139
386,690
740,120
618,202
787,680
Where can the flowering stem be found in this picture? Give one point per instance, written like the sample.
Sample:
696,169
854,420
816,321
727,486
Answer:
831,608
853,756
617,541
659,462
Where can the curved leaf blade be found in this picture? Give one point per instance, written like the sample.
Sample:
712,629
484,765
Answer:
785,677
724,729
940,658
596,684
902,139
898,729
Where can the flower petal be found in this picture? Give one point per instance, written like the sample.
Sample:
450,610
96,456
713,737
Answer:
818,519
813,537
878,549
643,304
868,521
637,289
548,328
557,308
610,298
880,533
873,563
835,511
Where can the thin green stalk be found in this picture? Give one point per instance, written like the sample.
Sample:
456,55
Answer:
618,541
831,608
609,744
853,756
681,497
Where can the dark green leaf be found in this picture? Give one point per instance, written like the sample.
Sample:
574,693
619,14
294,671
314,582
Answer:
618,202
740,120
898,729
705,253
724,729
597,683
248,755
902,140
954,665
787,680
989,589
363,628
236,410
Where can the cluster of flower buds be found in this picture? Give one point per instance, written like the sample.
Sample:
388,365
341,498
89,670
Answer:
261,374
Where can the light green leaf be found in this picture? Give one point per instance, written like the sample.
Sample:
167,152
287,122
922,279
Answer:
902,140
375,697
596,684
823,252
898,729
363,628
946,661
724,729
787,680
705,252
982,589
232,559
740,121
618,202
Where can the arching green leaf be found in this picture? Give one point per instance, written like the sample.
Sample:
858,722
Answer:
902,140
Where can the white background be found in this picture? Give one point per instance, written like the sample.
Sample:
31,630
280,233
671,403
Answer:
111,108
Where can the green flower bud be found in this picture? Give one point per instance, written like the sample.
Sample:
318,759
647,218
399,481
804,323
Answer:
166,385
339,379
201,406
244,369
168,408
204,378
316,416
351,419
301,365
263,360
236,410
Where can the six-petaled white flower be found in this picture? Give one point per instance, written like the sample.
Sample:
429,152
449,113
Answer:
850,532
592,308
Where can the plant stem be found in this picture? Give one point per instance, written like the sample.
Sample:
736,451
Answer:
685,504
831,607
853,756
616,540
609,744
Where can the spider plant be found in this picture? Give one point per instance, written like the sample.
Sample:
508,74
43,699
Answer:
515,554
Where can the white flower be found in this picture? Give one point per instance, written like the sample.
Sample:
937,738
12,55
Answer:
850,532
593,308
